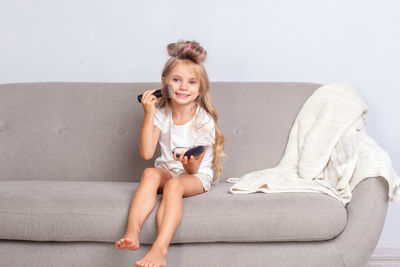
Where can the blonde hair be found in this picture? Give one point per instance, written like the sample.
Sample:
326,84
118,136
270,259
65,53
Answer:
193,55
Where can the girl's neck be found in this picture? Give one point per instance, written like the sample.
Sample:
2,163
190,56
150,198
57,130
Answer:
183,112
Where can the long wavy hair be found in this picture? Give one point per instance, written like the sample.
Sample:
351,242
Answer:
194,55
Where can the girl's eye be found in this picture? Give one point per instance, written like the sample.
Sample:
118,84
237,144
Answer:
176,79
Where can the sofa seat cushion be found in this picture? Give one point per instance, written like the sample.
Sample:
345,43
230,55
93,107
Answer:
98,211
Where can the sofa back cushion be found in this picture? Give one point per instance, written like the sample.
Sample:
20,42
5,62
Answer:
90,131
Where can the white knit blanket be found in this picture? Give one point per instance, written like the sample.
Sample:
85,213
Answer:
328,150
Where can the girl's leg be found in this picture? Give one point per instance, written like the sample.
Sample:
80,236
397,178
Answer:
174,190
143,202
161,208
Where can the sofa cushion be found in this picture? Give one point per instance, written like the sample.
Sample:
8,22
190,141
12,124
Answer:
98,211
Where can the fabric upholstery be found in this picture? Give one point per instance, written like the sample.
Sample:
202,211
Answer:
98,211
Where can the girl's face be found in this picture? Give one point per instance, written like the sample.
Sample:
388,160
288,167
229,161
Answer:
185,84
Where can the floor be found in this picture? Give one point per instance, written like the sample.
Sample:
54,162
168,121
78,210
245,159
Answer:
385,257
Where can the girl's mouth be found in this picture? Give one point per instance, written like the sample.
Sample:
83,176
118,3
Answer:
182,95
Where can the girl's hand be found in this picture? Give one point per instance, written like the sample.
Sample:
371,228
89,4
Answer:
185,160
149,102
189,161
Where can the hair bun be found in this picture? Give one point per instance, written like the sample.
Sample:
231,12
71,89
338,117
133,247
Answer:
190,50
171,48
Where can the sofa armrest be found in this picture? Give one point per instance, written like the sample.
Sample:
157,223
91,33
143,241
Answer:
366,214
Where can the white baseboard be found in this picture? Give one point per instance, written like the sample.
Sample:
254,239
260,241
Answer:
388,256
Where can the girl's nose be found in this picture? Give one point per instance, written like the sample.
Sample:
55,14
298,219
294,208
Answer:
184,86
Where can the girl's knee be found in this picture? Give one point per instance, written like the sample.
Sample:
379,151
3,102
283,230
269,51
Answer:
150,175
173,185
156,177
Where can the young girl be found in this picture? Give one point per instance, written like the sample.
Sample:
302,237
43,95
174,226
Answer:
186,119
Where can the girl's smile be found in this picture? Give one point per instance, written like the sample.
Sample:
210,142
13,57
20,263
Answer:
182,95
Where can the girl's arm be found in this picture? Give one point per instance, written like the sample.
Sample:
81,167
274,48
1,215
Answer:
150,133
191,165
148,138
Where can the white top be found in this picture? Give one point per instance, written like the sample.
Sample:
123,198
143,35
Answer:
185,136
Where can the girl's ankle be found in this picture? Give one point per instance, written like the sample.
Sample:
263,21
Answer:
133,231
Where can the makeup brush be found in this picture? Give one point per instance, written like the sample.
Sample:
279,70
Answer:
166,91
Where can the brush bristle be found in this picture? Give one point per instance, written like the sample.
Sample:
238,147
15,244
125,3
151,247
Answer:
167,91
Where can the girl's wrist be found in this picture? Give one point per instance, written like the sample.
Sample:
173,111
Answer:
189,170
190,167
148,116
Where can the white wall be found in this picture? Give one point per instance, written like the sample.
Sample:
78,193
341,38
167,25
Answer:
304,41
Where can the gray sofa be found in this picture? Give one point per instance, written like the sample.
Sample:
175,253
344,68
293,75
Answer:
70,164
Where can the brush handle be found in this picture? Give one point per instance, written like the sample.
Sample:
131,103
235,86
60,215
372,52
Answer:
156,93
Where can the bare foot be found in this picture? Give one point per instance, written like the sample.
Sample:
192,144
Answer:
156,257
129,241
